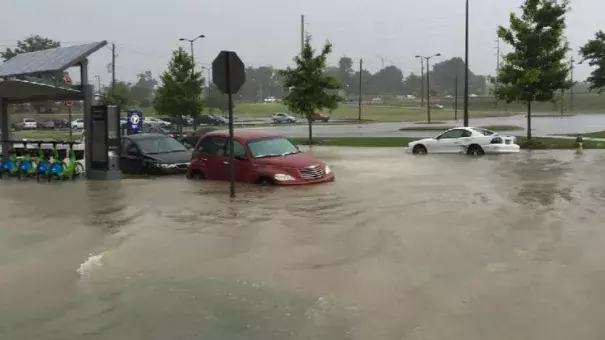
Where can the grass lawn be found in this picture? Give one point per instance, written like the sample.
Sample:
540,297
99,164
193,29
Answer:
445,127
47,135
598,134
537,143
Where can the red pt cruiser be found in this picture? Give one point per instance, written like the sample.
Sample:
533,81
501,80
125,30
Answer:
259,157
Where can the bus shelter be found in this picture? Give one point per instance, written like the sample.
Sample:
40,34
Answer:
38,76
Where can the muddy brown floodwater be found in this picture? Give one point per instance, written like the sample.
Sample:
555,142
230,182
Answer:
398,247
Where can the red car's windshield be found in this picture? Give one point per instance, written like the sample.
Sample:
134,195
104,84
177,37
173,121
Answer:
271,147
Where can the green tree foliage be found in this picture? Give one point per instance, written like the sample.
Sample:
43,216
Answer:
217,99
181,87
32,43
536,69
261,83
594,52
310,89
443,78
118,95
388,80
141,93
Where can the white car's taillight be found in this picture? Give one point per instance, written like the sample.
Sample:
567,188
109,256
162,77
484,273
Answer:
496,140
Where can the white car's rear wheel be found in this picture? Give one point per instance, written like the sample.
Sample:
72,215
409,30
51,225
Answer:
475,150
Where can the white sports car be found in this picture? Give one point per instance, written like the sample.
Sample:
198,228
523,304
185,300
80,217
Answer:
467,140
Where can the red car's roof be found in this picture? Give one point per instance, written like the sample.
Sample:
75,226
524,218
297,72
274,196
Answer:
245,135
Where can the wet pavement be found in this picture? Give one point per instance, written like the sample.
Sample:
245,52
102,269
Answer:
399,247
541,126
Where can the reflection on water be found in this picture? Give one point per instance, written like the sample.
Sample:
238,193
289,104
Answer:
399,247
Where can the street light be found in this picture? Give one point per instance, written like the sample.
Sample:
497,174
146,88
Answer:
191,41
428,84
466,38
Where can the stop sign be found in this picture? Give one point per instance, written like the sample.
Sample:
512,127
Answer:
228,72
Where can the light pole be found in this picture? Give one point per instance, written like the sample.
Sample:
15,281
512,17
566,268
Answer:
466,68
191,41
428,84
421,80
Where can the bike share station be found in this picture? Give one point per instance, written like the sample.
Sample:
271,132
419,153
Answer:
24,79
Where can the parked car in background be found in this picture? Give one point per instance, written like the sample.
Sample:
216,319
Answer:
319,117
155,121
78,124
466,140
281,117
61,123
207,119
186,121
190,139
162,130
152,153
260,157
437,106
25,124
47,125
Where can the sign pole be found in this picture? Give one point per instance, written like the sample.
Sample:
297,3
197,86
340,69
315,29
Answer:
230,98
70,120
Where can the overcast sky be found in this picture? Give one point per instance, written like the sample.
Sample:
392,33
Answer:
267,32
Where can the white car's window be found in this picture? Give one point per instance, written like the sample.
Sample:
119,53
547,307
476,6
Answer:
456,133
484,132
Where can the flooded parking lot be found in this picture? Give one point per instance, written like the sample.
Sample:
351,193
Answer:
398,247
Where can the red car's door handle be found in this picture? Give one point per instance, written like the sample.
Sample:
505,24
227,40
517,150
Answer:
226,162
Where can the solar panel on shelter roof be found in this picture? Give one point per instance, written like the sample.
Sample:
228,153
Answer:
52,60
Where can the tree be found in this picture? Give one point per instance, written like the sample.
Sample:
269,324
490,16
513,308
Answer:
536,68
141,93
443,77
181,87
32,43
594,52
310,89
217,99
118,95
388,80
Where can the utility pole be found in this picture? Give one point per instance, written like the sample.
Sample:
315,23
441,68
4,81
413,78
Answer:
421,81
497,65
428,81
466,68
428,91
360,89
113,66
456,95
302,33
571,90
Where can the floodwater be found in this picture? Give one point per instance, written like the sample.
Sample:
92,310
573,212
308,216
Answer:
399,247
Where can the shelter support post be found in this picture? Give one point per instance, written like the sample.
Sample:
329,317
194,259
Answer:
86,105
4,127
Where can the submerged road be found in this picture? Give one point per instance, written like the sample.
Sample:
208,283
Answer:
399,247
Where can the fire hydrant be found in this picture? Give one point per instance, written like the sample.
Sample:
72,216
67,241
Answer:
579,144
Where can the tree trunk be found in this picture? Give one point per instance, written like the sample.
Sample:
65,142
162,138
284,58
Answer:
310,120
528,121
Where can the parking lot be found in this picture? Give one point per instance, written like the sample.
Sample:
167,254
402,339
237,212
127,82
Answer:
398,247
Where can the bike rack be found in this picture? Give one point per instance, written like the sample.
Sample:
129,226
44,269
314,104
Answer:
20,152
